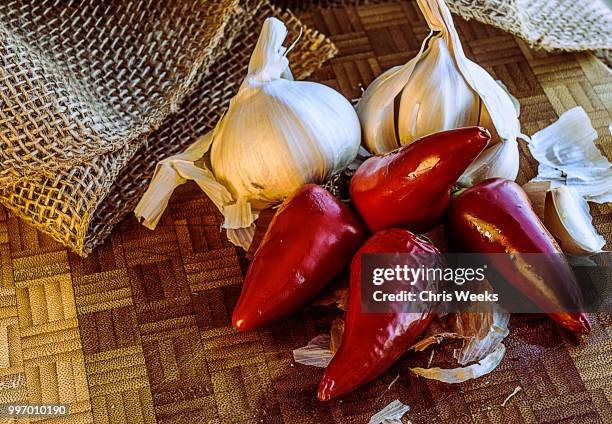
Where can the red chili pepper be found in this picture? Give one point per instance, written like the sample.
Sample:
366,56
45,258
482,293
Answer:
310,239
410,187
372,342
496,216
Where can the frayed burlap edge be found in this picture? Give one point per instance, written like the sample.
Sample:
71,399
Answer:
565,25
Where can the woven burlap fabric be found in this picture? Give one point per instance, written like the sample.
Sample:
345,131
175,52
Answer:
82,78
568,25
79,205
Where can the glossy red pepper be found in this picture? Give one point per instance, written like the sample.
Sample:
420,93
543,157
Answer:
496,216
410,187
310,239
372,342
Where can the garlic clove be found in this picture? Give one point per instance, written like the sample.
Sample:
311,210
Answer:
376,108
568,218
500,160
536,191
436,97
498,102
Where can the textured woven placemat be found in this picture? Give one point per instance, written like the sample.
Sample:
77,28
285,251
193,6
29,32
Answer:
140,330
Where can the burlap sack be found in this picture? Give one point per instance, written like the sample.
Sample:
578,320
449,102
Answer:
76,188
83,78
568,25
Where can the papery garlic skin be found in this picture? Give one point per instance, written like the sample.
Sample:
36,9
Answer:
567,155
279,135
567,217
441,89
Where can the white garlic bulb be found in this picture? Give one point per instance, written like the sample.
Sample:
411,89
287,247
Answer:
441,89
277,135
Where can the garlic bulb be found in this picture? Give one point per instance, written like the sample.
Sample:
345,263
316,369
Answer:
441,89
567,217
279,135
276,135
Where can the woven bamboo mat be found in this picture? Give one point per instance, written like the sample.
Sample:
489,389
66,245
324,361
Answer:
140,331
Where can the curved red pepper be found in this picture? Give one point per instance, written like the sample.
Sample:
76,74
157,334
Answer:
372,342
496,216
410,187
310,239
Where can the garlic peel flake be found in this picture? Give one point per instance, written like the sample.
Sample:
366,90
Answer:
536,191
459,375
390,414
488,329
316,353
482,334
174,171
242,237
567,155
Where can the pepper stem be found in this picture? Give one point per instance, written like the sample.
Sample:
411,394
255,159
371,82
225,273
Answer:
457,193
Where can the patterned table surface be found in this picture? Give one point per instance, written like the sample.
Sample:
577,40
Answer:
140,330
